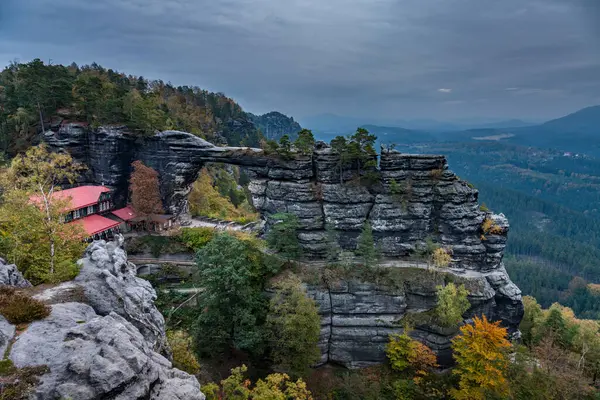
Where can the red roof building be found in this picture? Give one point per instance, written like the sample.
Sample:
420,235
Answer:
84,204
81,196
96,224
125,213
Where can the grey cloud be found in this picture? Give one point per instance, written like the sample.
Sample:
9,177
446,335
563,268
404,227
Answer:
376,58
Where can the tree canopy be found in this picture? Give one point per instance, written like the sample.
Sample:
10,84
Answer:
145,189
34,235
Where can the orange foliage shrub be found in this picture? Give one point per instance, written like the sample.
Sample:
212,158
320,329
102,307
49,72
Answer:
481,360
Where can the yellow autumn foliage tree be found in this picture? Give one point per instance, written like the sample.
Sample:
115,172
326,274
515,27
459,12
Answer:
183,351
205,200
408,355
273,387
441,258
481,360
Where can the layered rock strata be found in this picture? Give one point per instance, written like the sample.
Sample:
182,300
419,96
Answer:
357,316
413,200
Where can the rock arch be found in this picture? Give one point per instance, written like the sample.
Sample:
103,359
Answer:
432,201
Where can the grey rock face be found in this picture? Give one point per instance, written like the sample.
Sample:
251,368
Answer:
358,317
10,275
417,196
7,331
110,284
415,199
93,352
97,357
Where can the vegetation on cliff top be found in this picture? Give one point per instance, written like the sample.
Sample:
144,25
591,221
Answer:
35,96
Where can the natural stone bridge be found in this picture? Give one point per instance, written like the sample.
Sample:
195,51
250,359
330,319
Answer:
416,198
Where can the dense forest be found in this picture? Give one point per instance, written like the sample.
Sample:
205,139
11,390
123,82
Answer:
35,95
551,200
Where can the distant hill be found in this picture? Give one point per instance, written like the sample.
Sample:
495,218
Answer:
510,123
331,124
586,120
397,135
577,132
274,125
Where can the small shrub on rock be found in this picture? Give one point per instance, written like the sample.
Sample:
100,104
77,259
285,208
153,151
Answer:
18,383
452,304
441,258
489,227
183,353
19,308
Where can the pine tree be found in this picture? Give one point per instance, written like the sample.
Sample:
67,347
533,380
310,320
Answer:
293,326
340,146
283,235
366,249
333,247
285,146
305,142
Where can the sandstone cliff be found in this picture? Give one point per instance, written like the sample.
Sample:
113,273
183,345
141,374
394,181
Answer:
102,338
416,198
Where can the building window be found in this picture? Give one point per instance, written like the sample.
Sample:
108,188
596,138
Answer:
90,210
76,214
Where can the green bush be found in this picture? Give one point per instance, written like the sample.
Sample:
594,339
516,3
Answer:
183,352
156,245
18,308
452,304
197,238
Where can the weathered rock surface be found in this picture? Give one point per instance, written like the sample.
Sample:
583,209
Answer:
417,196
415,199
110,284
93,353
97,357
358,317
10,275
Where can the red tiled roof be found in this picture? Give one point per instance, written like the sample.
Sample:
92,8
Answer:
125,213
95,223
81,196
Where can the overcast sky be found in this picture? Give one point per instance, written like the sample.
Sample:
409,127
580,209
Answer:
443,59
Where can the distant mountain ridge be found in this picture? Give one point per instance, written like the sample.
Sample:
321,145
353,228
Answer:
585,120
274,125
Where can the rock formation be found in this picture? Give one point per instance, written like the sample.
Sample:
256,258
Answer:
10,275
96,353
357,316
415,199
110,285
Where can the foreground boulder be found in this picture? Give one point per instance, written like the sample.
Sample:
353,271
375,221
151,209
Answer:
110,284
95,353
10,275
